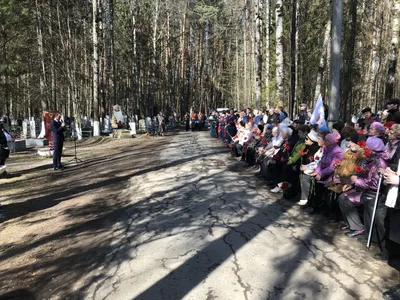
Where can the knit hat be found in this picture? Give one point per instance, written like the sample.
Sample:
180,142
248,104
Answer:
378,126
388,125
313,136
333,138
323,128
375,144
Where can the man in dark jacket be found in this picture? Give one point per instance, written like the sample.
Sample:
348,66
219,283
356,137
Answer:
303,116
392,107
57,128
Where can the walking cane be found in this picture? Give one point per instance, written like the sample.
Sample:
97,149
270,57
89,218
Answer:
374,211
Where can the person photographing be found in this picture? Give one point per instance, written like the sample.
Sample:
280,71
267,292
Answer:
57,128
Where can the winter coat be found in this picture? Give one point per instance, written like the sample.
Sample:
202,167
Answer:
326,166
369,181
295,156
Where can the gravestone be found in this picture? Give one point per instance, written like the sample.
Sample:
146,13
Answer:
142,125
107,124
24,129
132,125
117,113
148,124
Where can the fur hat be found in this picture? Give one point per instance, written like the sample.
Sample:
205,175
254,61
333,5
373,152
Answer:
313,136
375,144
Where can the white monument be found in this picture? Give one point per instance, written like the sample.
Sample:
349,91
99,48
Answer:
132,125
24,129
107,124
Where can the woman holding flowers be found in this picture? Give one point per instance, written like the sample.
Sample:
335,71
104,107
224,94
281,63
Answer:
363,185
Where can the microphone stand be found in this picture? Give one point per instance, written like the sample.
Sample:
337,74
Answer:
75,159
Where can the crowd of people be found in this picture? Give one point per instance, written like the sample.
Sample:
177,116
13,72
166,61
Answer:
337,172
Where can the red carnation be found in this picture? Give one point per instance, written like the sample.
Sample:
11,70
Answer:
362,144
367,152
336,163
358,169
302,152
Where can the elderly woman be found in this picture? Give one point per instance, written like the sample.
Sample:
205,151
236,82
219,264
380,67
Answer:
377,129
266,154
307,159
291,170
363,186
315,194
324,172
280,159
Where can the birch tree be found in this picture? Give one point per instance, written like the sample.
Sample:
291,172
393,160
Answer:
279,51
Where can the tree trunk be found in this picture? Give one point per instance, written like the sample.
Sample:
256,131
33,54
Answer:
267,53
53,99
245,94
348,66
322,62
96,129
293,54
154,58
337,11
391,80
258,53
279,51
42,77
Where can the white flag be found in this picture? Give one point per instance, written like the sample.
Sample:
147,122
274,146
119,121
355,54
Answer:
318,115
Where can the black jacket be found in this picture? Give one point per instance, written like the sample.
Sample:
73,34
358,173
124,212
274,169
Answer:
58,131
311,150
3,139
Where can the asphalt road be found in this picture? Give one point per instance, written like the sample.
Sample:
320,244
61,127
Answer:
203,227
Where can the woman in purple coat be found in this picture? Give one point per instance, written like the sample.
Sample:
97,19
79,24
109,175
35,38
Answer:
363,187
325,171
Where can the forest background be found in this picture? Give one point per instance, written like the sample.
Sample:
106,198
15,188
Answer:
81,57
